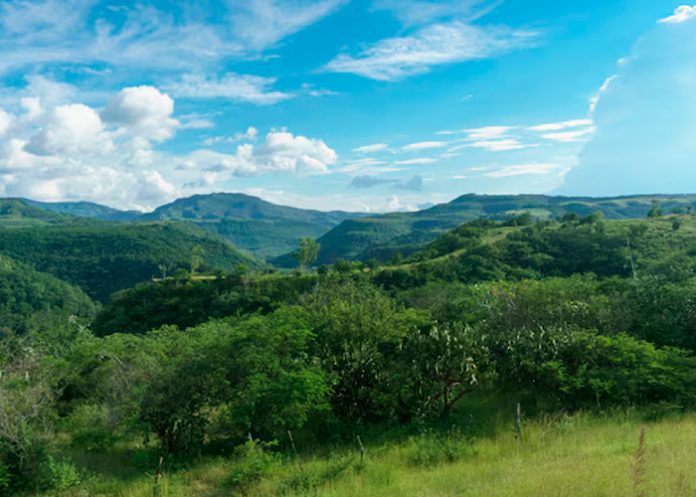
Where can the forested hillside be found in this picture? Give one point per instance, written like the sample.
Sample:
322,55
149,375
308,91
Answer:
102,258
30,299
262,228
256,382
404,233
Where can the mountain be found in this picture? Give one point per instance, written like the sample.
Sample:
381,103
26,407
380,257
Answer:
104,257
387,235
259,227
85,209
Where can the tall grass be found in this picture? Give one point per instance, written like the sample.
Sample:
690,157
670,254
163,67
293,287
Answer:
569,456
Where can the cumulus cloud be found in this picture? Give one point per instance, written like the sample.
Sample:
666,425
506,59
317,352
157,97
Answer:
143,110
70,151
281,151
645,120
237,87
393,59
70,129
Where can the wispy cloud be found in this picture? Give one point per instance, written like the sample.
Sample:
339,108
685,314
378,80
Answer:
570,136
397,58
682,13
574,123
411,147
263,23
523,170
410,12
368,149
505,145
411,162
237,87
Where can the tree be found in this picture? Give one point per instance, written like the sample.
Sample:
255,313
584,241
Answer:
656,210
197,254
307,253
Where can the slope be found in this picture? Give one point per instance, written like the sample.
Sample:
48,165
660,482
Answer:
404,233
103,257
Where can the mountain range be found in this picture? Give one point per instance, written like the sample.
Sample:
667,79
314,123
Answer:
270,232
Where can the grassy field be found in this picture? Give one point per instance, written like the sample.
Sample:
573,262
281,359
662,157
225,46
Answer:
565,456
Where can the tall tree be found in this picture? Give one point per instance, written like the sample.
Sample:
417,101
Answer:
307,253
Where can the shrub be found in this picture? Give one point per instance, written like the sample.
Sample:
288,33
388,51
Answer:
58,475
254,459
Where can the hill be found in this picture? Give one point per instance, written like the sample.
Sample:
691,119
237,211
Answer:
262,228
104,257
85,209
19,212
404,233
28,297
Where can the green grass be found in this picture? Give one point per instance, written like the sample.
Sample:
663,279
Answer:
581,456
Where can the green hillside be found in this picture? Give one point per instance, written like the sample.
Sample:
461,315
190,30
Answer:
19,212
102,257
260,227
85,209
404,233
28,298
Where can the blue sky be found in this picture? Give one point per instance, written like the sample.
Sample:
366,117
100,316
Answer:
372,105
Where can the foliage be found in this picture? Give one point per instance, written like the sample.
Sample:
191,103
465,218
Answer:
102,258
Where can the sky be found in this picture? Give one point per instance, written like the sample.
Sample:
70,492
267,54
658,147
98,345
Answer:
360,105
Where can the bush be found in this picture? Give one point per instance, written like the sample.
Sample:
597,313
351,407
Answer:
58,475
254,460
431,449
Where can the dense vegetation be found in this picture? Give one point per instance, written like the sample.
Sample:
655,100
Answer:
102,258
235,371
32,300
404,233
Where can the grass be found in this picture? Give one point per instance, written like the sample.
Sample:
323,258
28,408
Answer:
578,456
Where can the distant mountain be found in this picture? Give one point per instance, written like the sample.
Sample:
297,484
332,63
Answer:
404,233
86,209
104,257
262,228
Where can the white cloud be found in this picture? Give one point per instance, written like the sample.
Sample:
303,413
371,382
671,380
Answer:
146,37
70,129
424,145
496,145
488,132
523,170
594,100
411,12
280,152
393,59
71,152
263,23
420,160
368,149
569,136
143,110
250,134
575,123
237,87
681,14
5,122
